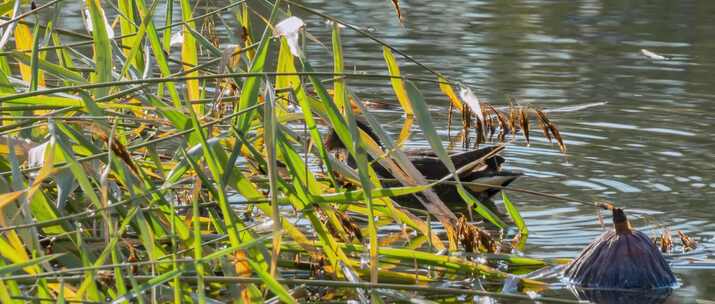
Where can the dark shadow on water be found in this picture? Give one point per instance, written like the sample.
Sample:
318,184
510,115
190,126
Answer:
604,296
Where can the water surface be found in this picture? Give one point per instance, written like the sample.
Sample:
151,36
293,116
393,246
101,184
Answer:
649,148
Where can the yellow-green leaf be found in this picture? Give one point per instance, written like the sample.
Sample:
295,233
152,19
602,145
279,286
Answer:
398,84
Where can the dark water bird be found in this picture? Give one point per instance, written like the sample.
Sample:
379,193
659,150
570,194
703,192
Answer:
622,258
488,172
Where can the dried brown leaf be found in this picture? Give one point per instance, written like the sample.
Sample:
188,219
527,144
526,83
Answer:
516,240
352,229
117,147
392,238
449,120
490,121
240,262
396,4
666,241
473,239
466,125
688,243
480,133
543,123
503,126
552,128
557,135
524,122
513,115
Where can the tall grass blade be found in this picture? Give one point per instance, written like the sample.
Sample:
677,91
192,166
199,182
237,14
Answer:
24,42
35,79
198,250
102,49
127,26
139,289
398,84
269,137
17,266
158,51
189,55
249,92
518,221
51,68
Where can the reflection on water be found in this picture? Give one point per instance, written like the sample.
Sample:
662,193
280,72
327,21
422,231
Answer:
648,148
657,296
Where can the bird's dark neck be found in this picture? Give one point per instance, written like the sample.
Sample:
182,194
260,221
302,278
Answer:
334,144
333,141
620,221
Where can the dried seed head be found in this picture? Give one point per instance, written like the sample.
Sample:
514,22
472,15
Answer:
524,122
688,243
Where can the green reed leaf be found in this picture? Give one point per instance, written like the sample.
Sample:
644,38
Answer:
518,220
102,47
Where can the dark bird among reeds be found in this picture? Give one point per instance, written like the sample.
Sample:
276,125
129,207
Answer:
622,258
486,173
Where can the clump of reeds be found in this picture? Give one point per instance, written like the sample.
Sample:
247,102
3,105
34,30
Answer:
152,161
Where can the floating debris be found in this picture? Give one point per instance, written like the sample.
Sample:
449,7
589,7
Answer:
654,56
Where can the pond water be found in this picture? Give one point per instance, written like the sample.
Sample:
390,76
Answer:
649,148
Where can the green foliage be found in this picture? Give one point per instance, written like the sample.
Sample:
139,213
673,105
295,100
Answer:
141,197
